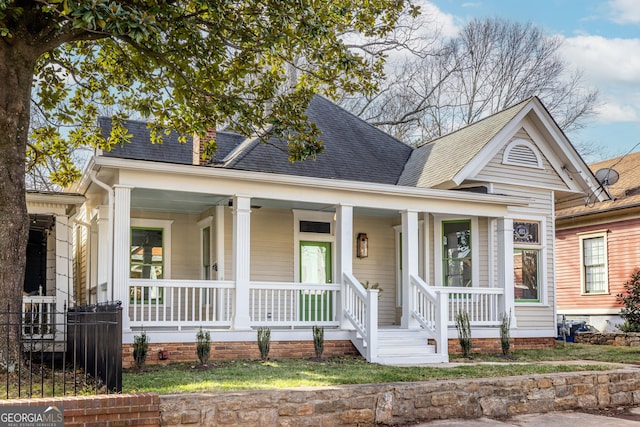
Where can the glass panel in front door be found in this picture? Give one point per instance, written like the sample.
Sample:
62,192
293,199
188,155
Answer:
315,268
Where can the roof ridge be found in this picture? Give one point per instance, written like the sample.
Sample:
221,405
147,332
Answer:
519,104
377,129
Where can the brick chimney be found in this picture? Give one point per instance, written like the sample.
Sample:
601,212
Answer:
198,147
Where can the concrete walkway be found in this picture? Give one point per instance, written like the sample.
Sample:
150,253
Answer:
551,419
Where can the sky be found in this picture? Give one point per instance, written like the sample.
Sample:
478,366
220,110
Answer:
600,37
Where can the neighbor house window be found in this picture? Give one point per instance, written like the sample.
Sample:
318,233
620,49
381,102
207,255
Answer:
456,253
593,255
526,261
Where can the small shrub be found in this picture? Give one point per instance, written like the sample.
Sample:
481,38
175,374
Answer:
464,332
140,348
505,338
204,346
629,327
264,342
318,340
630,299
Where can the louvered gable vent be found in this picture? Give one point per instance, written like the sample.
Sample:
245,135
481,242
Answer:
522,153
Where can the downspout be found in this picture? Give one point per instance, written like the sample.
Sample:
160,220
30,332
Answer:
109,191
87,226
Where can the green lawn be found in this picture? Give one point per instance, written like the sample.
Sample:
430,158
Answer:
245,374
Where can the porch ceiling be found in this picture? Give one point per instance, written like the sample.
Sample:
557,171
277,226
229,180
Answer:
194,203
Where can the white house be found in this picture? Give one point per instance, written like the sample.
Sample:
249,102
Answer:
462,223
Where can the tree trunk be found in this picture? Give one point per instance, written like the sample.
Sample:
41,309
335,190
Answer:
16,77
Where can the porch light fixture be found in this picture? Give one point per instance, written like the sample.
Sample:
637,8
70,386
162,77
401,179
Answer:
362,247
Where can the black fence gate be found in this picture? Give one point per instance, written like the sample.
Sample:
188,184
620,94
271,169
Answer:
94,342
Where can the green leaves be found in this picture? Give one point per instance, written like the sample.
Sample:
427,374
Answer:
188,66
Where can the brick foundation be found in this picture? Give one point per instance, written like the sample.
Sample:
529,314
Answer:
492,345
186,352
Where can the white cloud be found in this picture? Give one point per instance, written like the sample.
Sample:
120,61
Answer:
612,65
611,112
625,11
603,60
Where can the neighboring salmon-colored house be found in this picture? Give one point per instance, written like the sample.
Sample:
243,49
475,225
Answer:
598,246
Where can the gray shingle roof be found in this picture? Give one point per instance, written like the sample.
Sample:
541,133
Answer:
353,150
170,151
440,160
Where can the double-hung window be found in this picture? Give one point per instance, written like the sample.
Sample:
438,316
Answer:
527,261
593,256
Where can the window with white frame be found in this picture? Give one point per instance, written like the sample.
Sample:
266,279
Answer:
456,253
527,261
149,257
593,262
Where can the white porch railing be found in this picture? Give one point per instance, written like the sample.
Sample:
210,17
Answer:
482,304
179,303
293,304
360,307
192,303
39,317
430,310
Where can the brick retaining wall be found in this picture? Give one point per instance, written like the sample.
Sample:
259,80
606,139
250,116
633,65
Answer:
404,403
142,409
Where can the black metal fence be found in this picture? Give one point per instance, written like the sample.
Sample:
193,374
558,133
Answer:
70,352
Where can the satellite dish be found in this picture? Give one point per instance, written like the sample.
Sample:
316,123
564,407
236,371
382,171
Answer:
607,176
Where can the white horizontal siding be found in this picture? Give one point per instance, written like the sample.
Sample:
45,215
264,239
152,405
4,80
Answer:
496,171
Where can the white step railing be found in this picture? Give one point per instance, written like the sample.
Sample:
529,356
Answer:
430,310
293,304
360,308
179,303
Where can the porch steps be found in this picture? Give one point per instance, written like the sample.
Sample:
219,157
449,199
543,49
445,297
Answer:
405,347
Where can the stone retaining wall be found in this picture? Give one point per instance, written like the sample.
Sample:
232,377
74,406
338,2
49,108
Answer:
622,339
404,403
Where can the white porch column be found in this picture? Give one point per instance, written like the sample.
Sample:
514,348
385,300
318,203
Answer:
104,255
219,242
344,255
121,249
241,261
505,266
409,264
63,270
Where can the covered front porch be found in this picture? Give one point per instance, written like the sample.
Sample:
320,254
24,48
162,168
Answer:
236,252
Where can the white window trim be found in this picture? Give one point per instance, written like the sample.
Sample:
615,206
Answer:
583,284
165,225
303,215
543,299
202,224
529,145
437,247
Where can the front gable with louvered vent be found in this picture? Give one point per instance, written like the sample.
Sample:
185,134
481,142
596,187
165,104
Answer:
522,162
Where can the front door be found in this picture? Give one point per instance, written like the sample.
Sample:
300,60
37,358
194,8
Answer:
315,268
